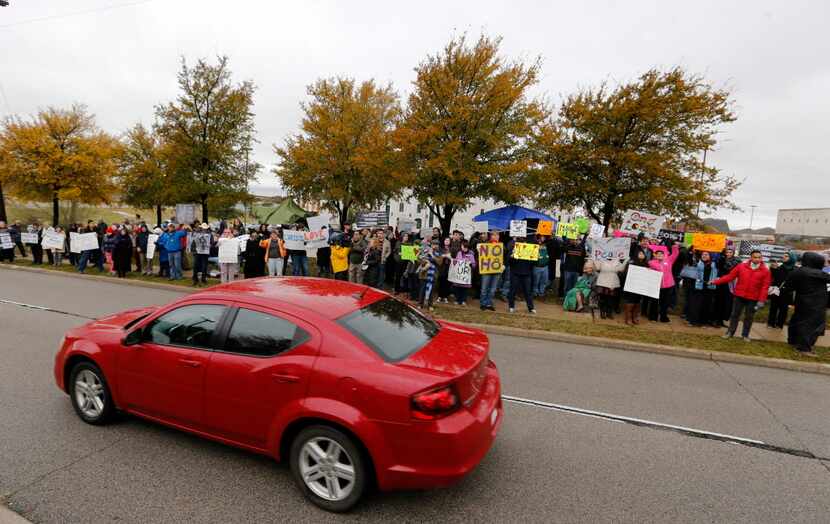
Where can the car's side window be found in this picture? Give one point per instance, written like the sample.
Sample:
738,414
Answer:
262,335
190,326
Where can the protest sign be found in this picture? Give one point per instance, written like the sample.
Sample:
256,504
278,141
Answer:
669,234
481,226
490,258
53,240
293,239
712,242
406,225
409,253
28,238
74,245
6,240
643,281
185,213
545,227
467,230
88,241
317,235
243,242
616,248
597,231
151,245
460,272
772,253
228,251
201,242
371,219
567,230
688,239
636,222
583,224
518,228
524,251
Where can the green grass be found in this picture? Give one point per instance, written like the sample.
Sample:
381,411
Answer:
639,333
43,213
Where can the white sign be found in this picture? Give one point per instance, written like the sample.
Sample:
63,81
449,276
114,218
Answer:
151,245
317,235
467,229
405,225
201,242
643,281
243,242
481,226
616,248
83,242
28,238
460,272
6,240
636,222
293,239
228,251
597,231
185,213
518,228
52,239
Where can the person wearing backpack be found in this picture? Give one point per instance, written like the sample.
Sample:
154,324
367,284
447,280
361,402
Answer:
540,269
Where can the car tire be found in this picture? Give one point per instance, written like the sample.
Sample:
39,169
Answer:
341,455
90,394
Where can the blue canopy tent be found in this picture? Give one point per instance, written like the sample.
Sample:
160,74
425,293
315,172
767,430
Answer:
500,218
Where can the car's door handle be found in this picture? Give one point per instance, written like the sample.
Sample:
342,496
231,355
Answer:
285,379
190,363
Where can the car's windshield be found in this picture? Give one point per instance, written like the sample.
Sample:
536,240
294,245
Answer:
391,328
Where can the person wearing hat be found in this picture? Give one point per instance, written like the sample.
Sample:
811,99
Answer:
108,246
200,244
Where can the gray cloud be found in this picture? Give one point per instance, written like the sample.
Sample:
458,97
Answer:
121,62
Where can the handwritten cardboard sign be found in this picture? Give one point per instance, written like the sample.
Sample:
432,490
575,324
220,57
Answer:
525,251
636,222
490,258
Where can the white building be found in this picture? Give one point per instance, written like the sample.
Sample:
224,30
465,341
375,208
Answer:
409,208
814,223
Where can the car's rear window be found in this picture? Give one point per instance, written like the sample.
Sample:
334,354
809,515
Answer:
391,328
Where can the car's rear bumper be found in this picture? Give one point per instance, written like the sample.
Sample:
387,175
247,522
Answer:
439,453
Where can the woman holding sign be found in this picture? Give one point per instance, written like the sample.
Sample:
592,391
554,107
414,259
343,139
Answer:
466,261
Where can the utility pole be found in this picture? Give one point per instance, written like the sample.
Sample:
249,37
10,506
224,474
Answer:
702,169
751,216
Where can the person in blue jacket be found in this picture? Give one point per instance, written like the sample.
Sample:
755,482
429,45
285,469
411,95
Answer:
171,241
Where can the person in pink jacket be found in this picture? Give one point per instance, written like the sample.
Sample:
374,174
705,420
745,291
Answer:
663,262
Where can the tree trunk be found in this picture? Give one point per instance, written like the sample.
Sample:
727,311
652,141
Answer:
3,216
608,212
158,215
445,219
204,208
56,210
344,214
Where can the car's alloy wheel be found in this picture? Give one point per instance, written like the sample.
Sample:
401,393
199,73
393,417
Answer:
328,467
90,393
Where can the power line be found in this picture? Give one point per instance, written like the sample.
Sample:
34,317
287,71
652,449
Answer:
76,13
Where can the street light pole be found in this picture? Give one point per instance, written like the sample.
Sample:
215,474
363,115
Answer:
702,169
751,216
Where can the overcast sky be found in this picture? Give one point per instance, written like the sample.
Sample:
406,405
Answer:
122,61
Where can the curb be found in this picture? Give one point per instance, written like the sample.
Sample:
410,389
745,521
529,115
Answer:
608,343
9,516
699,354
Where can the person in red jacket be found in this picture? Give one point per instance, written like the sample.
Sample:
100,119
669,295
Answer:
750,292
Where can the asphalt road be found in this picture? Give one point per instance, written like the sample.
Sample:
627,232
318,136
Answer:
546,466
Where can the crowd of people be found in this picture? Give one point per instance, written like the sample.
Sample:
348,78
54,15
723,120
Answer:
716,289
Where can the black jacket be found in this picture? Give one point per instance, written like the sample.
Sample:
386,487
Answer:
809,283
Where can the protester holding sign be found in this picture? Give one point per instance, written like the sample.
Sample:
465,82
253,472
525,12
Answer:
779,301
491,265
466,261
632,301
6,243
608,282
228,256
702,306
521,277
663,263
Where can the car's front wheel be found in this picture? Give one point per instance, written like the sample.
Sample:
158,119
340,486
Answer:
328,468
90,394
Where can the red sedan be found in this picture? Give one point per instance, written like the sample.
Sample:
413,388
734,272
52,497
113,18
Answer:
350,385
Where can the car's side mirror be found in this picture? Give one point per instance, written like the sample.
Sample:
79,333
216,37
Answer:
133,338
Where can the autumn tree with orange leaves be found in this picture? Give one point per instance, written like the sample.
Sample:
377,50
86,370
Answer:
344,156
637,146
469,127
60,154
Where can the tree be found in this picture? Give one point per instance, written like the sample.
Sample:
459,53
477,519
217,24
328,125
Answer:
143,173
59,154
638,146
468,128
210,132
344,156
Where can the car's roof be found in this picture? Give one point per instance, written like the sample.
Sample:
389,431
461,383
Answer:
328,298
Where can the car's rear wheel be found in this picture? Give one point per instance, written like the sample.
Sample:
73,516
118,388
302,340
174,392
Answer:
328,468
90,394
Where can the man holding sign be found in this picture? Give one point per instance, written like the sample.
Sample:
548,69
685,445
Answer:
521,276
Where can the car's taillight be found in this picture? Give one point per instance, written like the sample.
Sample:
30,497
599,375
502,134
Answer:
434,404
